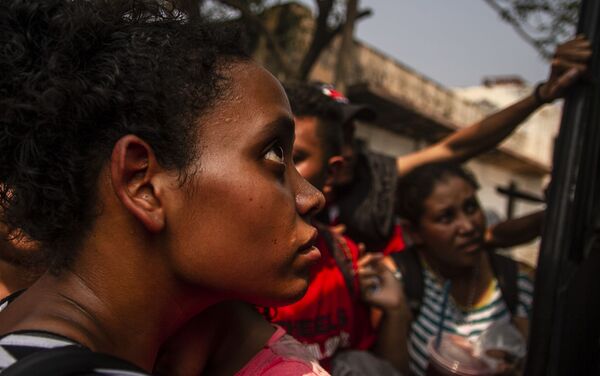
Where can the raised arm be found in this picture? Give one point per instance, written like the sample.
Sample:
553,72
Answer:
568,65
516,231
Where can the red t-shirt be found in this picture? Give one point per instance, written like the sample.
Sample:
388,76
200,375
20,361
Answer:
396,241
329,317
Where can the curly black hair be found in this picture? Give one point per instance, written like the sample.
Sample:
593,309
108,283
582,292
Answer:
416,186
79,75
307,99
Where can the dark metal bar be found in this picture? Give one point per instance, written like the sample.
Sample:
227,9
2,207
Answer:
566,317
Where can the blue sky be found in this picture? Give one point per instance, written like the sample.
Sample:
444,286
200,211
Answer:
454,42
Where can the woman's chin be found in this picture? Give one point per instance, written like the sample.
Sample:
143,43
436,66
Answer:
295,291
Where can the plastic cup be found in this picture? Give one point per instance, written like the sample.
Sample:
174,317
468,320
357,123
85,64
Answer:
454,357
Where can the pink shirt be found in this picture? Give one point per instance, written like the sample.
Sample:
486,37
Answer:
282,356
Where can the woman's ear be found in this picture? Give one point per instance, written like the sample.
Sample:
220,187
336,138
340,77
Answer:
136,181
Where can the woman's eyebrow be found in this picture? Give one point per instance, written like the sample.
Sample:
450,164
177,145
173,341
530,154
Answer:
283,126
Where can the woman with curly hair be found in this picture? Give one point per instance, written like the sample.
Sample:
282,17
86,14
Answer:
151,159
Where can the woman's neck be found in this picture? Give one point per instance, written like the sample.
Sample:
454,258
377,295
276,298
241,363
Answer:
16,277
109,308
469,283
246,330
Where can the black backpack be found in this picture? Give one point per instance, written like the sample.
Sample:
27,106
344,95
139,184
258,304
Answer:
505,269
69,361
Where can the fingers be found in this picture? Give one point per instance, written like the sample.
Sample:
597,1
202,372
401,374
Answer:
338,229
370,284
369,260
573,54
565,65
361,249
569,64
579,42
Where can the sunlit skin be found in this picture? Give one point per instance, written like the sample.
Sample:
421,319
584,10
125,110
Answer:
248,207
452,226
164,247
309,156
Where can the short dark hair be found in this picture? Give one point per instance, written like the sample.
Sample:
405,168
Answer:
79,75
416,186
307,100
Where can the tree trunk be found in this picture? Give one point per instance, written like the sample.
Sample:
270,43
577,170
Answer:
345,60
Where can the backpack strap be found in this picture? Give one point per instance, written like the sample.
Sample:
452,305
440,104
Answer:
412,277
68,361
506,271
340,252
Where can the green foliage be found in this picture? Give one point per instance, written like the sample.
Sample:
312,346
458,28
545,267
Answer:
543,23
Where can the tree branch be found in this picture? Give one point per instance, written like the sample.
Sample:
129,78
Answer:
278,51
322,37
519,29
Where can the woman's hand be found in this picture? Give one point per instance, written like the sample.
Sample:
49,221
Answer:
378,285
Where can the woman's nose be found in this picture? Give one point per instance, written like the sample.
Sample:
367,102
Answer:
466,224
309,200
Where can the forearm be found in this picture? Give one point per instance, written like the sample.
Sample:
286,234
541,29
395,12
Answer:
472,140
516,231
489,132
392,338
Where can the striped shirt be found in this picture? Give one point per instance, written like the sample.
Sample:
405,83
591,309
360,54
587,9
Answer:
16,346
470,324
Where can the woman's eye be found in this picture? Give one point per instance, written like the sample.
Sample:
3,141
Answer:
445,217
471,207
275,154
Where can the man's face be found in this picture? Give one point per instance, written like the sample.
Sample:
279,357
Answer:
345,175
309,154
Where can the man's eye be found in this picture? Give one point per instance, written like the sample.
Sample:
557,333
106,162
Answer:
275,154
298,157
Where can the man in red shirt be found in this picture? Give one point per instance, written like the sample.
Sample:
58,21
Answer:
331,316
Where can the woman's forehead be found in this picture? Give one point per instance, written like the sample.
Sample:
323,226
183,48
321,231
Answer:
449,191
254,100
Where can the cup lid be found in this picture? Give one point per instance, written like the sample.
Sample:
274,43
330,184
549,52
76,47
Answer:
455,355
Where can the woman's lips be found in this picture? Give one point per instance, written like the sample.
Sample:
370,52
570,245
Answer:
308,250
471,246
312,254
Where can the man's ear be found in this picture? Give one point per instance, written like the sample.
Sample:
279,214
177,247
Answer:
134,169
334,166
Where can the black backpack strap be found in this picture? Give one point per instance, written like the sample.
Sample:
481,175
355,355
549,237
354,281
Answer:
68,361
342,258
506,271
410,266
